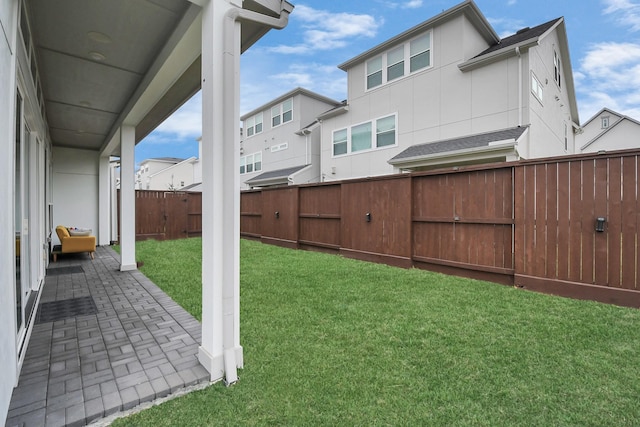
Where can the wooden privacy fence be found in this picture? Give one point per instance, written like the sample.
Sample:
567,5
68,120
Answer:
167,215
531,224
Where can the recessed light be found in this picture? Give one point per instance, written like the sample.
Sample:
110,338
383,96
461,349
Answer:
97,56
99,37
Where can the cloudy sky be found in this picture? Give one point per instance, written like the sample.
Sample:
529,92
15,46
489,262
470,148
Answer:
604,40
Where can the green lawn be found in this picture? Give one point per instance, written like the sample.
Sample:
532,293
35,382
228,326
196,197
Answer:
333,341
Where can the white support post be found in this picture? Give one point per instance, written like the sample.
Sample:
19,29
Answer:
127,199
220,352
104,202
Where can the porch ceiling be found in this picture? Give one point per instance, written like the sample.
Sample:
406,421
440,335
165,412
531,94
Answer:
97,58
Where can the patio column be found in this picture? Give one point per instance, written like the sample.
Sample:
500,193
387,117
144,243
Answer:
220,352
127,198
104,201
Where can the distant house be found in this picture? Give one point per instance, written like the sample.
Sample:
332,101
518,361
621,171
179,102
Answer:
450,91
165,173
281,140
608,130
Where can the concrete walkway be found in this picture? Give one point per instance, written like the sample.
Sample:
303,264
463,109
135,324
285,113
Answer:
120,342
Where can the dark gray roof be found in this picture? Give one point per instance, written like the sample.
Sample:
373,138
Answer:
280,173
462,143
520,36
166,159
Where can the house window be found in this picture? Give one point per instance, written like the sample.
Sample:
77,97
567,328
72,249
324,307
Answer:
279,147
374,72
566,137
386,131
556,68
536,87
282,113
395,63
251,163
400,61
340,142
605,122
420,52
253,125
360,137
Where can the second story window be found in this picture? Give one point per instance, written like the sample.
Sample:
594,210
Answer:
400,61
282,113
253,125
605,122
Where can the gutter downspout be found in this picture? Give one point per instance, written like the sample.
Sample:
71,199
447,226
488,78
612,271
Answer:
230,70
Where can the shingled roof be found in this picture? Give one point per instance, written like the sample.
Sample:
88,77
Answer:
459,144
522,35
280,174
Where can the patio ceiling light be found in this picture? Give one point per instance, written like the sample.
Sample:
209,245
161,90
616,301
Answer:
97,56
99,37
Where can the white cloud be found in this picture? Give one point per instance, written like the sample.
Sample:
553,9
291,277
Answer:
609,76
626,12
324,30
506,27
186,122
412,4
511,2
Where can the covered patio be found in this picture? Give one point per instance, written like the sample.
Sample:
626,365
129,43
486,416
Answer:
104,342
81,83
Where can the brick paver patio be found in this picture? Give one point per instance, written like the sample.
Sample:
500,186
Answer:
139,346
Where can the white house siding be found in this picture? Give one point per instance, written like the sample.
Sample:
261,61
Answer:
170,178
593,127
548,118
437,103
624,135
75,188
8,352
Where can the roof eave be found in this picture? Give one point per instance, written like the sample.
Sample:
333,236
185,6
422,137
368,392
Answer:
467,7
431,159
497,55
290,94
334,112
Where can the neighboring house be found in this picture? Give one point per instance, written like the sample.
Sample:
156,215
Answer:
450,91
165,173
608,130
275,151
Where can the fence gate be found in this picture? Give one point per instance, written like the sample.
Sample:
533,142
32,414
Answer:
166,215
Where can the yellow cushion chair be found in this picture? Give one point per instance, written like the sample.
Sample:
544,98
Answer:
74,244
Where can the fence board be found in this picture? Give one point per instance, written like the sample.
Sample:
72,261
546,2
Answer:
613,275
629,220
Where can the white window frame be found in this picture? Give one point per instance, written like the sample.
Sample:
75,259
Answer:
279,112
536,88
374,137
253,159
556,69
604,121
251,125
279,147
406,61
